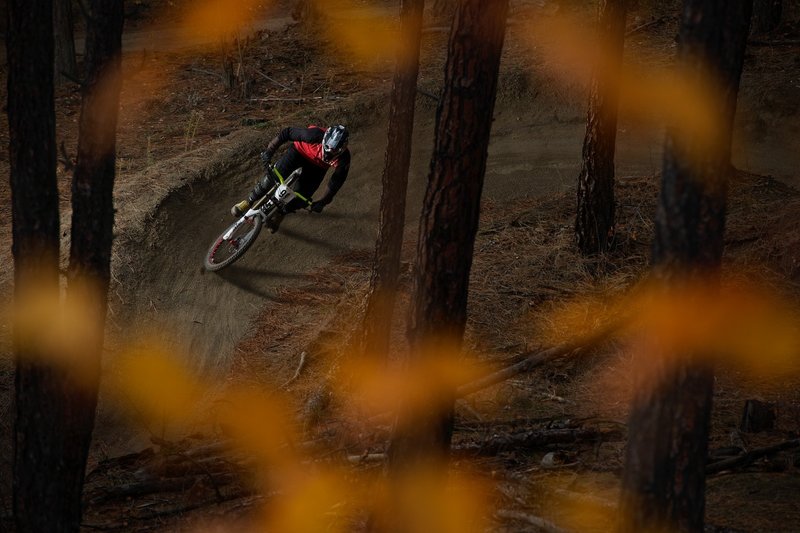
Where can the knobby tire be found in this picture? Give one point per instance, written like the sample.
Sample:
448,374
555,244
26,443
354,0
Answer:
247,240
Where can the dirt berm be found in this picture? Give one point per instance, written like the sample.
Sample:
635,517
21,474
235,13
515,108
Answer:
167,220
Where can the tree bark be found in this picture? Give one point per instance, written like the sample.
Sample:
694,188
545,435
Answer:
93,182
35,221
92,223
66,67
442,11
664,477
766,16
594,224
386,265
56,402
449,219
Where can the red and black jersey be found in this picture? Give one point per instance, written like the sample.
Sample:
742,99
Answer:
308,143
312,150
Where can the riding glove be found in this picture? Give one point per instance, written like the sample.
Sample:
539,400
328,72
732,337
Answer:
266,158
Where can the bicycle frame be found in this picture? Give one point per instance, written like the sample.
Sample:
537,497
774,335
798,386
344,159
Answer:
279,195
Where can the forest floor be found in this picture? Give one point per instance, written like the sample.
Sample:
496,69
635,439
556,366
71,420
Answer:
547,443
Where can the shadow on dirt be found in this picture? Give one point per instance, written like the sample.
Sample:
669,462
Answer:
253,281
246,279
314,241
339,215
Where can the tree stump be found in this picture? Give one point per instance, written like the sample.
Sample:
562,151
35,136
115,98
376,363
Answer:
757,416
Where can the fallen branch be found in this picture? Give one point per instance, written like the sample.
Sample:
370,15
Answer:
779,42
367,458
161,485
536,359
297,99
541,523
184,465
586,499
429,94
751,456
276,82
169,512
555,398
530,361
215,448
535,439
546,422
209,72
642,27
468,408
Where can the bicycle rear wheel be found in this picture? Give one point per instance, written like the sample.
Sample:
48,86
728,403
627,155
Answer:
224,251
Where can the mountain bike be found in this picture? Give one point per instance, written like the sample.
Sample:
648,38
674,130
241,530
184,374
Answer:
237,239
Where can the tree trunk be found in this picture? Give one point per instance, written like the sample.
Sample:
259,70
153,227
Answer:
766,16
594,224
38,458
228,64
449,219
55,403
386,265
306,11
93,221
442,11
65,66
664,477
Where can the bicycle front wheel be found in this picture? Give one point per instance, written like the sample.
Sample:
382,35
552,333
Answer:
233,243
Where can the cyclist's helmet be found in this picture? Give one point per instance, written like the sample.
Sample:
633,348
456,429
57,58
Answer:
334,142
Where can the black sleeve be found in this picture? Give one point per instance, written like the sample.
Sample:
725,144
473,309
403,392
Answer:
309,135
337,178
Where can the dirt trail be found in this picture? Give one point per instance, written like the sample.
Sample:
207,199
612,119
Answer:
161,289
204,315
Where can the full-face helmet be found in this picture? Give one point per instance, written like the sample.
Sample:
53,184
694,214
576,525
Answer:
334,142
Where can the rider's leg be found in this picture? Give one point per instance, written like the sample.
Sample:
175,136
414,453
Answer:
286,165
310,180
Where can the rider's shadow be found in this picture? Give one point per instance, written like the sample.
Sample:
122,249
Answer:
314,241
247,279
342,215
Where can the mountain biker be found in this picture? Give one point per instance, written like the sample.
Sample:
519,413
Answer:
315,150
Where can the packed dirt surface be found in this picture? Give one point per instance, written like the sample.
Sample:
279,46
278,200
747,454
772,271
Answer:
188,151
206,314
534,152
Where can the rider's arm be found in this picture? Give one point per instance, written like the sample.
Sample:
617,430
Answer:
337,178
309,135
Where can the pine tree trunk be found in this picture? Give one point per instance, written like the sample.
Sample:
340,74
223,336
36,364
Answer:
766,16
386,265
65,65
38,457
442,11
664,477
93,219
594,224
449,219
55,403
